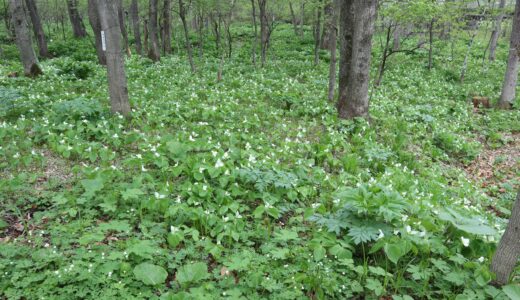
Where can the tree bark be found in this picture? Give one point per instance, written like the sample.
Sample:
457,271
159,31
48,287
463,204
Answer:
430,50
37,27
95,23
134,13
121,17
506,256
167,27
293,18
332,46
328,18
153,50
317,33
511,77
255,39
78,28
264,35
145,36
357,27
396,38
23,39
302,13
496,31
182,13
117,84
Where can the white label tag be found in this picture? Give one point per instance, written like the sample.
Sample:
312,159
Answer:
103,42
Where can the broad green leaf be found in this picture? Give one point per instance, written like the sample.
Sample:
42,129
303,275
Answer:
150,274
192,273
512,291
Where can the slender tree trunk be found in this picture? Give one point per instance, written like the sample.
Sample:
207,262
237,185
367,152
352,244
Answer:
382,64
167,26
23,39
118,90
293,18
496,31
145,36
95,23
328,18
121,17
511,77
302,18
357,27
332,46
37,27
134,13
317,33
506,256
430,50
255,39
78,28
153,51
182,13
200,28
264,35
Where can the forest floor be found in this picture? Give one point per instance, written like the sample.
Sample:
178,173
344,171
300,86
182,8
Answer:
252,188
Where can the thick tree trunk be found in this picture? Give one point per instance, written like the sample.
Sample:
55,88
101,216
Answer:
293,18
506,256
167,27
182,13
134,13
357,27
317,33
117,85
153,51
121,17
397,38
95,23
496,31
255,39
37,27
332,46
23,39
264,35
78,28
509,87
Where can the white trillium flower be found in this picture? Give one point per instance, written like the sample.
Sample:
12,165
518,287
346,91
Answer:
465,241
219,164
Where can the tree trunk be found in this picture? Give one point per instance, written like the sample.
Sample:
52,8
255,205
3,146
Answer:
397,38
182,13
264,35
23,39
382,64
95,23
325,38
78,28
200,29
37,27
333,45
468,52
509,87
357,27
496,31
167,27
302,18
506,256
153,51
317,33
145,36
255,40
121,17
134,13
108,13
430,50
293,18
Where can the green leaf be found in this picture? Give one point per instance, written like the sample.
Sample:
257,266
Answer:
319,253
512,291
131,194
471,225
192,273
150,274
286,235
394,252
92,186
177,149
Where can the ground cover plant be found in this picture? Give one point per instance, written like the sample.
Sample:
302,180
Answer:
249,186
